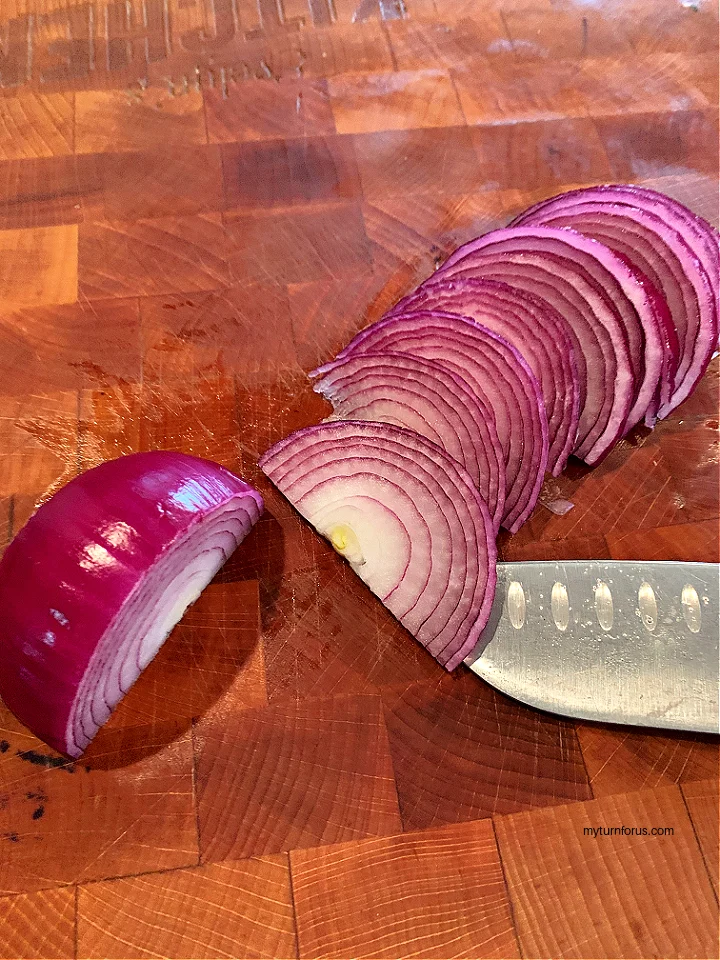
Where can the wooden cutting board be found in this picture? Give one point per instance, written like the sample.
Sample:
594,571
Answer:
199,201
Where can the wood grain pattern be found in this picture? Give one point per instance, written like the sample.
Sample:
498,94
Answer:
200,202
128,807
38,266
293,776
36,126
701,799
227,909
582,896
463,752
438,893
39,924
403,100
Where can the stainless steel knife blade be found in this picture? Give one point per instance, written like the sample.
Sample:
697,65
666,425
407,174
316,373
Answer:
629,642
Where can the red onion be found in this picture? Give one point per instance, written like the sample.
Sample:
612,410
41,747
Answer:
425,397
579,286
538,332
496,372
407,518
93,584
669,245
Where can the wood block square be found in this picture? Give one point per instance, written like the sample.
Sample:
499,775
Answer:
655,145
502,91
434,894
455,42
547,155
269,110
111,120
408,100
168,182
148,257
245,328
680,28
39,442
326,314
41,192
211,662
609,896
38,925
36,125
619,760
222,910
284,173
415,232
574,33
38,266
703,803
679,541
69,347
417,161
126,807
644,83
462,751
291,776
298,245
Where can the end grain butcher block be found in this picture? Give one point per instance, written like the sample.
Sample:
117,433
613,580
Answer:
199,203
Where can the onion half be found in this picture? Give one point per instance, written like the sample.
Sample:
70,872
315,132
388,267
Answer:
93,584
669,245
530,325
496,372
407,518
425,397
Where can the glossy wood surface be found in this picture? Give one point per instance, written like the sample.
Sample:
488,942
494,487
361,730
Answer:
199,201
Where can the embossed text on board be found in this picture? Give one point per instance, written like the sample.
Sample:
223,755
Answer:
89,40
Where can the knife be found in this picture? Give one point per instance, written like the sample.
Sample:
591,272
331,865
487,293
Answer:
629,642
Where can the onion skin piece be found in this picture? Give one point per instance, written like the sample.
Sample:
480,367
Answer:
496,371
425,397
408,519
530,325
676,250
99,575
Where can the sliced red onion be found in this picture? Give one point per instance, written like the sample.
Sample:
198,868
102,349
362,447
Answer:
544,263
530,325
93,584
408,519
669,245
496,372
425,397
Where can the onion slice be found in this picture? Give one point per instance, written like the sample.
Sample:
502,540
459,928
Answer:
93,584
496,372
577,283
406,516
530,325
425,397
666,243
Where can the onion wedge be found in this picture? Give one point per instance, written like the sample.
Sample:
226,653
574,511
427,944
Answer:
425,397
93,584
535,329
496,372
408,519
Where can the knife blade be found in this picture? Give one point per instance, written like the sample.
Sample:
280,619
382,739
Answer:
628,642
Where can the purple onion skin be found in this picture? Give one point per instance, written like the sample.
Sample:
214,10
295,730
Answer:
66,574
